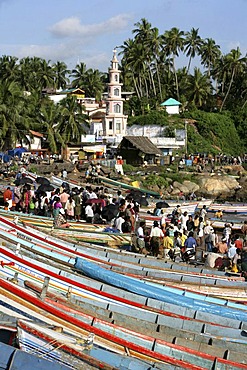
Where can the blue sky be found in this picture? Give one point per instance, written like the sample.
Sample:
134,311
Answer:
88,30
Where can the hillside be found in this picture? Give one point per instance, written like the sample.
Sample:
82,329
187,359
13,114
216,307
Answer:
207,132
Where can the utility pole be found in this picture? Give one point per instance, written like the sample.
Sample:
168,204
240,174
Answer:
186,137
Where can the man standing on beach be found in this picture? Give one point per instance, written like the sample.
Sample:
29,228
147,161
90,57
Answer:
222,246
244,229
203,212
7,197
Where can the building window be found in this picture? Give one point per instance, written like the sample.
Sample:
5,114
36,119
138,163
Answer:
118,127
107,108
116,92
110,125
116,78
117,108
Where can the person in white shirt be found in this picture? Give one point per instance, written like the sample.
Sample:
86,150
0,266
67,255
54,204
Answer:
141,236
119,221
92,194
232,250
183,219
89,213
156,240
64,174
203,213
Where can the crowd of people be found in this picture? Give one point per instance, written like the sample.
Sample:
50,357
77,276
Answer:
90,204
178,236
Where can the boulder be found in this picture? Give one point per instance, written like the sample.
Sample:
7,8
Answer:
218,185
180,187
175,191
191,186
234,169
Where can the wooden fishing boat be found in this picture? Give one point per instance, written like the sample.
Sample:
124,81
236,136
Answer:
144,325
159,350
229,208
68,347
63,254
122,340
225,331
220,224
28,269
51,343
47,222
20,360
78,230
146,266
240,367
19,241
221,288
76,352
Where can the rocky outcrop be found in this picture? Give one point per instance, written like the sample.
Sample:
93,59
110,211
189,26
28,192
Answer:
210,186
218,185
240,195
187,187
191,186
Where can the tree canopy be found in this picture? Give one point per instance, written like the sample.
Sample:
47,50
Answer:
211,86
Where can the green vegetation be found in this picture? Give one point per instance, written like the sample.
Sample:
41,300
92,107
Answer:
128,168
213,95
152,118
24,106
33,169
179,177
213,133
154,180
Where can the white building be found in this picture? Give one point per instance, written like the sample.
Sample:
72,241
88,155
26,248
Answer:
156,134
115,122
171,105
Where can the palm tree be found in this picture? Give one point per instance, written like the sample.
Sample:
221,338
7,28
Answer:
235,65
173,43
73,122
79,74
46,75
134,62
182,80
14,125
143,29
8,68
220,74
192,45
150,40
143,37
48,119
61,72
127,50
155,43
25,75
209,53
93,84
29,74
198,88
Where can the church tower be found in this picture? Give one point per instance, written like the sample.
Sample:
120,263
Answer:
115,121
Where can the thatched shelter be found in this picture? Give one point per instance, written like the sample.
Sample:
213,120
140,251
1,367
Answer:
137,150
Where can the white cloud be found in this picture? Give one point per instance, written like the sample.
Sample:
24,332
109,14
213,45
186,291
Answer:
77,42
62,51
72,27
69,52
